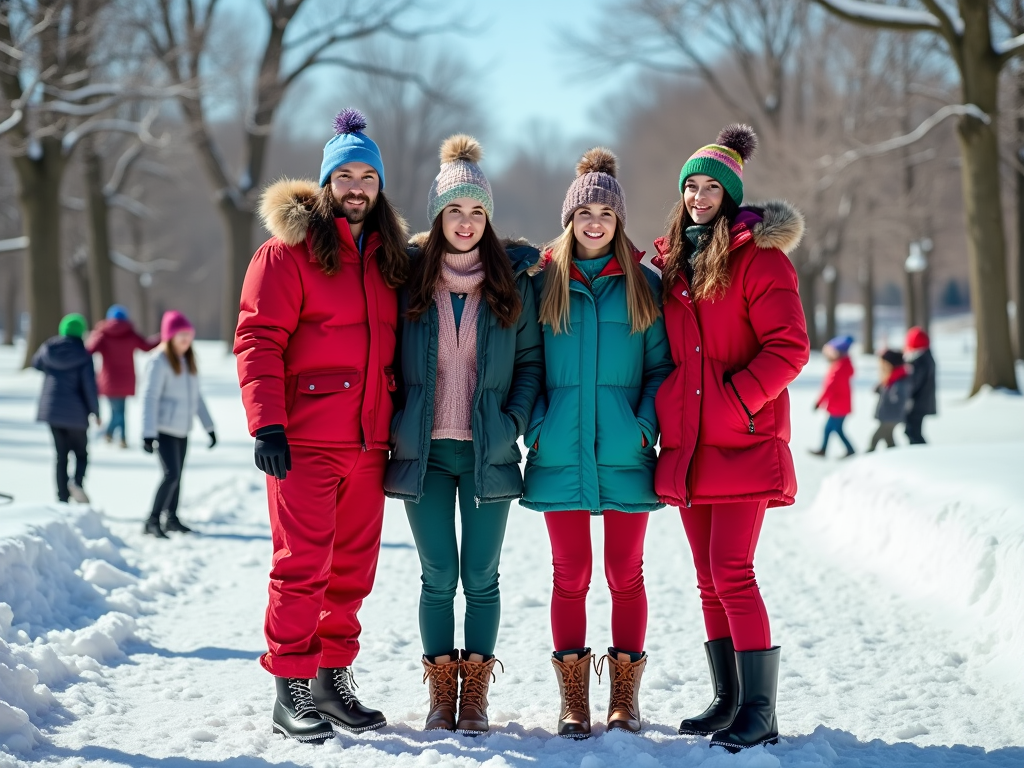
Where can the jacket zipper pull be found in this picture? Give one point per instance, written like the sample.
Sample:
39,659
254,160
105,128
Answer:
477,500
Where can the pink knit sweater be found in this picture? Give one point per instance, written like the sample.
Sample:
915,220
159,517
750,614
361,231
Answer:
456,348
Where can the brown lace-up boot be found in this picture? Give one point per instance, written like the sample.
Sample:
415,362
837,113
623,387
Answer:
476,680
444,690
624,702
574,686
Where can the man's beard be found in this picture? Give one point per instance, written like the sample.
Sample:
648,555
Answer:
353,216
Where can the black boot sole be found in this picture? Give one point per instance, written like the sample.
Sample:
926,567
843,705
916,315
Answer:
316,738
734,748
574,736
351,729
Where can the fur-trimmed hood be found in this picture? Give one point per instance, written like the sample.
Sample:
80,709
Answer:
285,208
775,224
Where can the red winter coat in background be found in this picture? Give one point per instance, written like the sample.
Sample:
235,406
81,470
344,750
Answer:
315,351
727,442
116,341
836,397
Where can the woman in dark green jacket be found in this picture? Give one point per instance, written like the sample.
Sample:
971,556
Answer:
592,434
471,368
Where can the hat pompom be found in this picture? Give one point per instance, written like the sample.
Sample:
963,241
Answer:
461,147
598,160
740,138
349,120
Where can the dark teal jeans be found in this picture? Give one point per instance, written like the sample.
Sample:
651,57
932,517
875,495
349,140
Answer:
449,478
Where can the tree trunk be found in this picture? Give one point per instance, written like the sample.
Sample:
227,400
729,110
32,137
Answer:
808,276
39,197
986,239
911,311
238,224
10,306
867,294
101,280
831,277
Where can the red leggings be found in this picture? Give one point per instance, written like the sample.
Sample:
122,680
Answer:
573,560
723,538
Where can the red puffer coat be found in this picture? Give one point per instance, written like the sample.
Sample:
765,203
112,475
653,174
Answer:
836,396
116,341
724,410
315,351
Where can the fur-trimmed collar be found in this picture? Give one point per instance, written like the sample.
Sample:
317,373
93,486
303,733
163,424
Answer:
285,208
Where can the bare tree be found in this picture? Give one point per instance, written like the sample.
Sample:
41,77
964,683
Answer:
47,77
967,32
179,34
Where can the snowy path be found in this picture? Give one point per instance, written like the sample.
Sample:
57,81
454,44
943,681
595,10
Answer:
870,676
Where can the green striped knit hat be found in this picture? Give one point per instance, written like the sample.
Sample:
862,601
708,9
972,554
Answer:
724,160
460,176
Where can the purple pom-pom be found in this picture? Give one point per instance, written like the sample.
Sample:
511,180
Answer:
740,138
349,120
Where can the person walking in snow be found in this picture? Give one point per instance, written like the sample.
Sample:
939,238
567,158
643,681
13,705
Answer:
836,396
471,368
922,401
171,400
315,345
67,399
115,340
893,390
738,338
592,435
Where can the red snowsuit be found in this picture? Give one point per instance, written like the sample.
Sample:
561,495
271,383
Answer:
116,341
835,389
724,414
315,355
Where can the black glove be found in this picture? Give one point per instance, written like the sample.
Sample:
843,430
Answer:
213,438
147,445
273,455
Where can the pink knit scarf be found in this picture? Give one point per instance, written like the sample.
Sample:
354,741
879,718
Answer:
461,273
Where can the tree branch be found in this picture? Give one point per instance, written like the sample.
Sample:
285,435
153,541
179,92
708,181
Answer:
885,16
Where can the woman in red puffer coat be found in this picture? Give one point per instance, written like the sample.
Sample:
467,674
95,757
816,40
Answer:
738,339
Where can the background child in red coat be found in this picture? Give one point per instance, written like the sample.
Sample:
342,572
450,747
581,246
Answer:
836,397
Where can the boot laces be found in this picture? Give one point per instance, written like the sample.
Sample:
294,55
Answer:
345,684
474,681
302,697
572,681
623,682
445,679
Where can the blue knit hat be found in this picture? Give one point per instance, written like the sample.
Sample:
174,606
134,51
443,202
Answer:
117,312
350,145
841,344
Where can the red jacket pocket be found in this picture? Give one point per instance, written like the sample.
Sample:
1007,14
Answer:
328,382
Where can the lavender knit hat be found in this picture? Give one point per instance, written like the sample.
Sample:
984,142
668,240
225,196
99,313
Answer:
460,176
595,183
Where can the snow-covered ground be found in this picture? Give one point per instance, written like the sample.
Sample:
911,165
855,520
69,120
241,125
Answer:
894,587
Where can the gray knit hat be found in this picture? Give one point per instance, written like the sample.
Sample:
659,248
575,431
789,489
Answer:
460,176
595,183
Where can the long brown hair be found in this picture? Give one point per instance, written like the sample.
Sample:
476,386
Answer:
175,361
711,268
554,300
383,219
499,285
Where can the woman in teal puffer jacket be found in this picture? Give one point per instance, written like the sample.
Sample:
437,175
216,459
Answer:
471,367
592,434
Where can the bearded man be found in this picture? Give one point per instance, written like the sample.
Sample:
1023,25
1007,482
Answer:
315,344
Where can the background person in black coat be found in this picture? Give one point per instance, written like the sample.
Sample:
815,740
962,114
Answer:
921,403
67,399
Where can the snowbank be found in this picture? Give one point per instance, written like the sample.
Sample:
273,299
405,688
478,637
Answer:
67,606
944,525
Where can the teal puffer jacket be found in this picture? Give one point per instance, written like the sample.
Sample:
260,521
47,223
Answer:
509,376
594,429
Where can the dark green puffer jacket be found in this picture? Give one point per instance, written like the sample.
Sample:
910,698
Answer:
590,426
510,374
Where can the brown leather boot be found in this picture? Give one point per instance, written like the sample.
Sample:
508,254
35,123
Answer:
624,702
444,690
574,687
476,680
